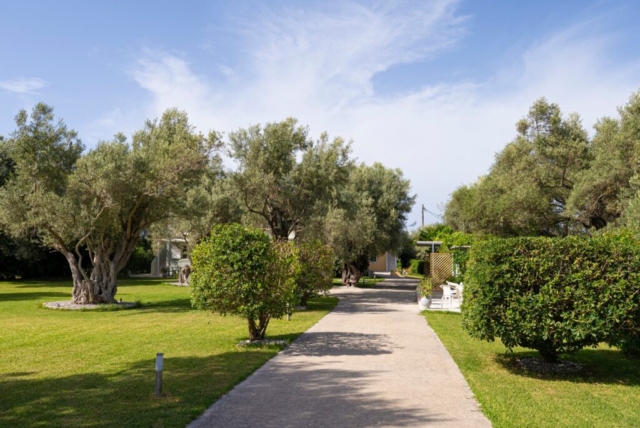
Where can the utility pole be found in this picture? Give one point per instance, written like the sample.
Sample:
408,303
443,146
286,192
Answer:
423,209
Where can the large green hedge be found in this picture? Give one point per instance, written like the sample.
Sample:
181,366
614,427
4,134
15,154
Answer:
555,295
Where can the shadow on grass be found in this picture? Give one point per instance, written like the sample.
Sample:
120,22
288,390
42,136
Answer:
165,306
321,303
29,295
58,283
390,287
606,366
192,384
125,398
68,283
143,282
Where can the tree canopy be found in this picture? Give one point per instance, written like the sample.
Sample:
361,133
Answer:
369,217
608,187
93,207
528,187
283,176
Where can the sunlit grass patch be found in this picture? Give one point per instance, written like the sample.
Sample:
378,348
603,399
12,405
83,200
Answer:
605,394
96,368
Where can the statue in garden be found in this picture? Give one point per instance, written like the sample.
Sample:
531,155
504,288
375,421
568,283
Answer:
185,272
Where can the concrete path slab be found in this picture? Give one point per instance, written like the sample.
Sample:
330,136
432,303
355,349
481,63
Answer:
372,362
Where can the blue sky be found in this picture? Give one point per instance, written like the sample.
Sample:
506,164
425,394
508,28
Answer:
432,87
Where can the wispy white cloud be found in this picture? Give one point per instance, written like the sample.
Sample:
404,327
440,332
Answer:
23,85
318,66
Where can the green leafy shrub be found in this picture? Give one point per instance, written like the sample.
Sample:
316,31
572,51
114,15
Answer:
416,266
407,251
553,295
628,343
457,279
425,289
240,271
316,268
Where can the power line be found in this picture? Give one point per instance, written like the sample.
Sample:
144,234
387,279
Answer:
433,214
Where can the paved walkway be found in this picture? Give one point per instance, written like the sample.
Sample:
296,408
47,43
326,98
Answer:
371,362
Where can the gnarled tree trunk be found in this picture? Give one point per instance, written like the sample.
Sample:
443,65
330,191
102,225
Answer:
351,274
100,287
100,284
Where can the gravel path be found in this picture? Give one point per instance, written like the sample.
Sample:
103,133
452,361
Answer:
371,362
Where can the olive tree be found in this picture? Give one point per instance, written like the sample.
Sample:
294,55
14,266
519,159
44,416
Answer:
283,176
92,207
209,202
604,192
240,271
369,218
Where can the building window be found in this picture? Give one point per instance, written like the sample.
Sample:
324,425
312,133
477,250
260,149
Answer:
374,259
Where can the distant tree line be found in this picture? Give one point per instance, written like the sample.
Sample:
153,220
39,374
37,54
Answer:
554,180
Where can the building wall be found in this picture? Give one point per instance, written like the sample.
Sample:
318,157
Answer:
384,263
392,261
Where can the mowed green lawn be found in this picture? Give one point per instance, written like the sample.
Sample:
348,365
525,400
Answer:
607,394
96,369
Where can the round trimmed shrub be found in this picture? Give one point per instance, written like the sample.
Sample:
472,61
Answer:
554,295
238,270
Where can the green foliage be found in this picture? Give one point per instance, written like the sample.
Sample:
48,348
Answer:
603,192
434,232
416,266
425,288
104,199
553,295
7,165
553,181
239,271
316,268
206,203
369,218
453,241
23,258
527,188
629,344
407,251
284,177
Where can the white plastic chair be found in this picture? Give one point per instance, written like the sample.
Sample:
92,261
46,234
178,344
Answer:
460,288
447,293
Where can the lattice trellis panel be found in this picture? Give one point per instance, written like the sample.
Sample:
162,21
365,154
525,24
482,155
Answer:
441,268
